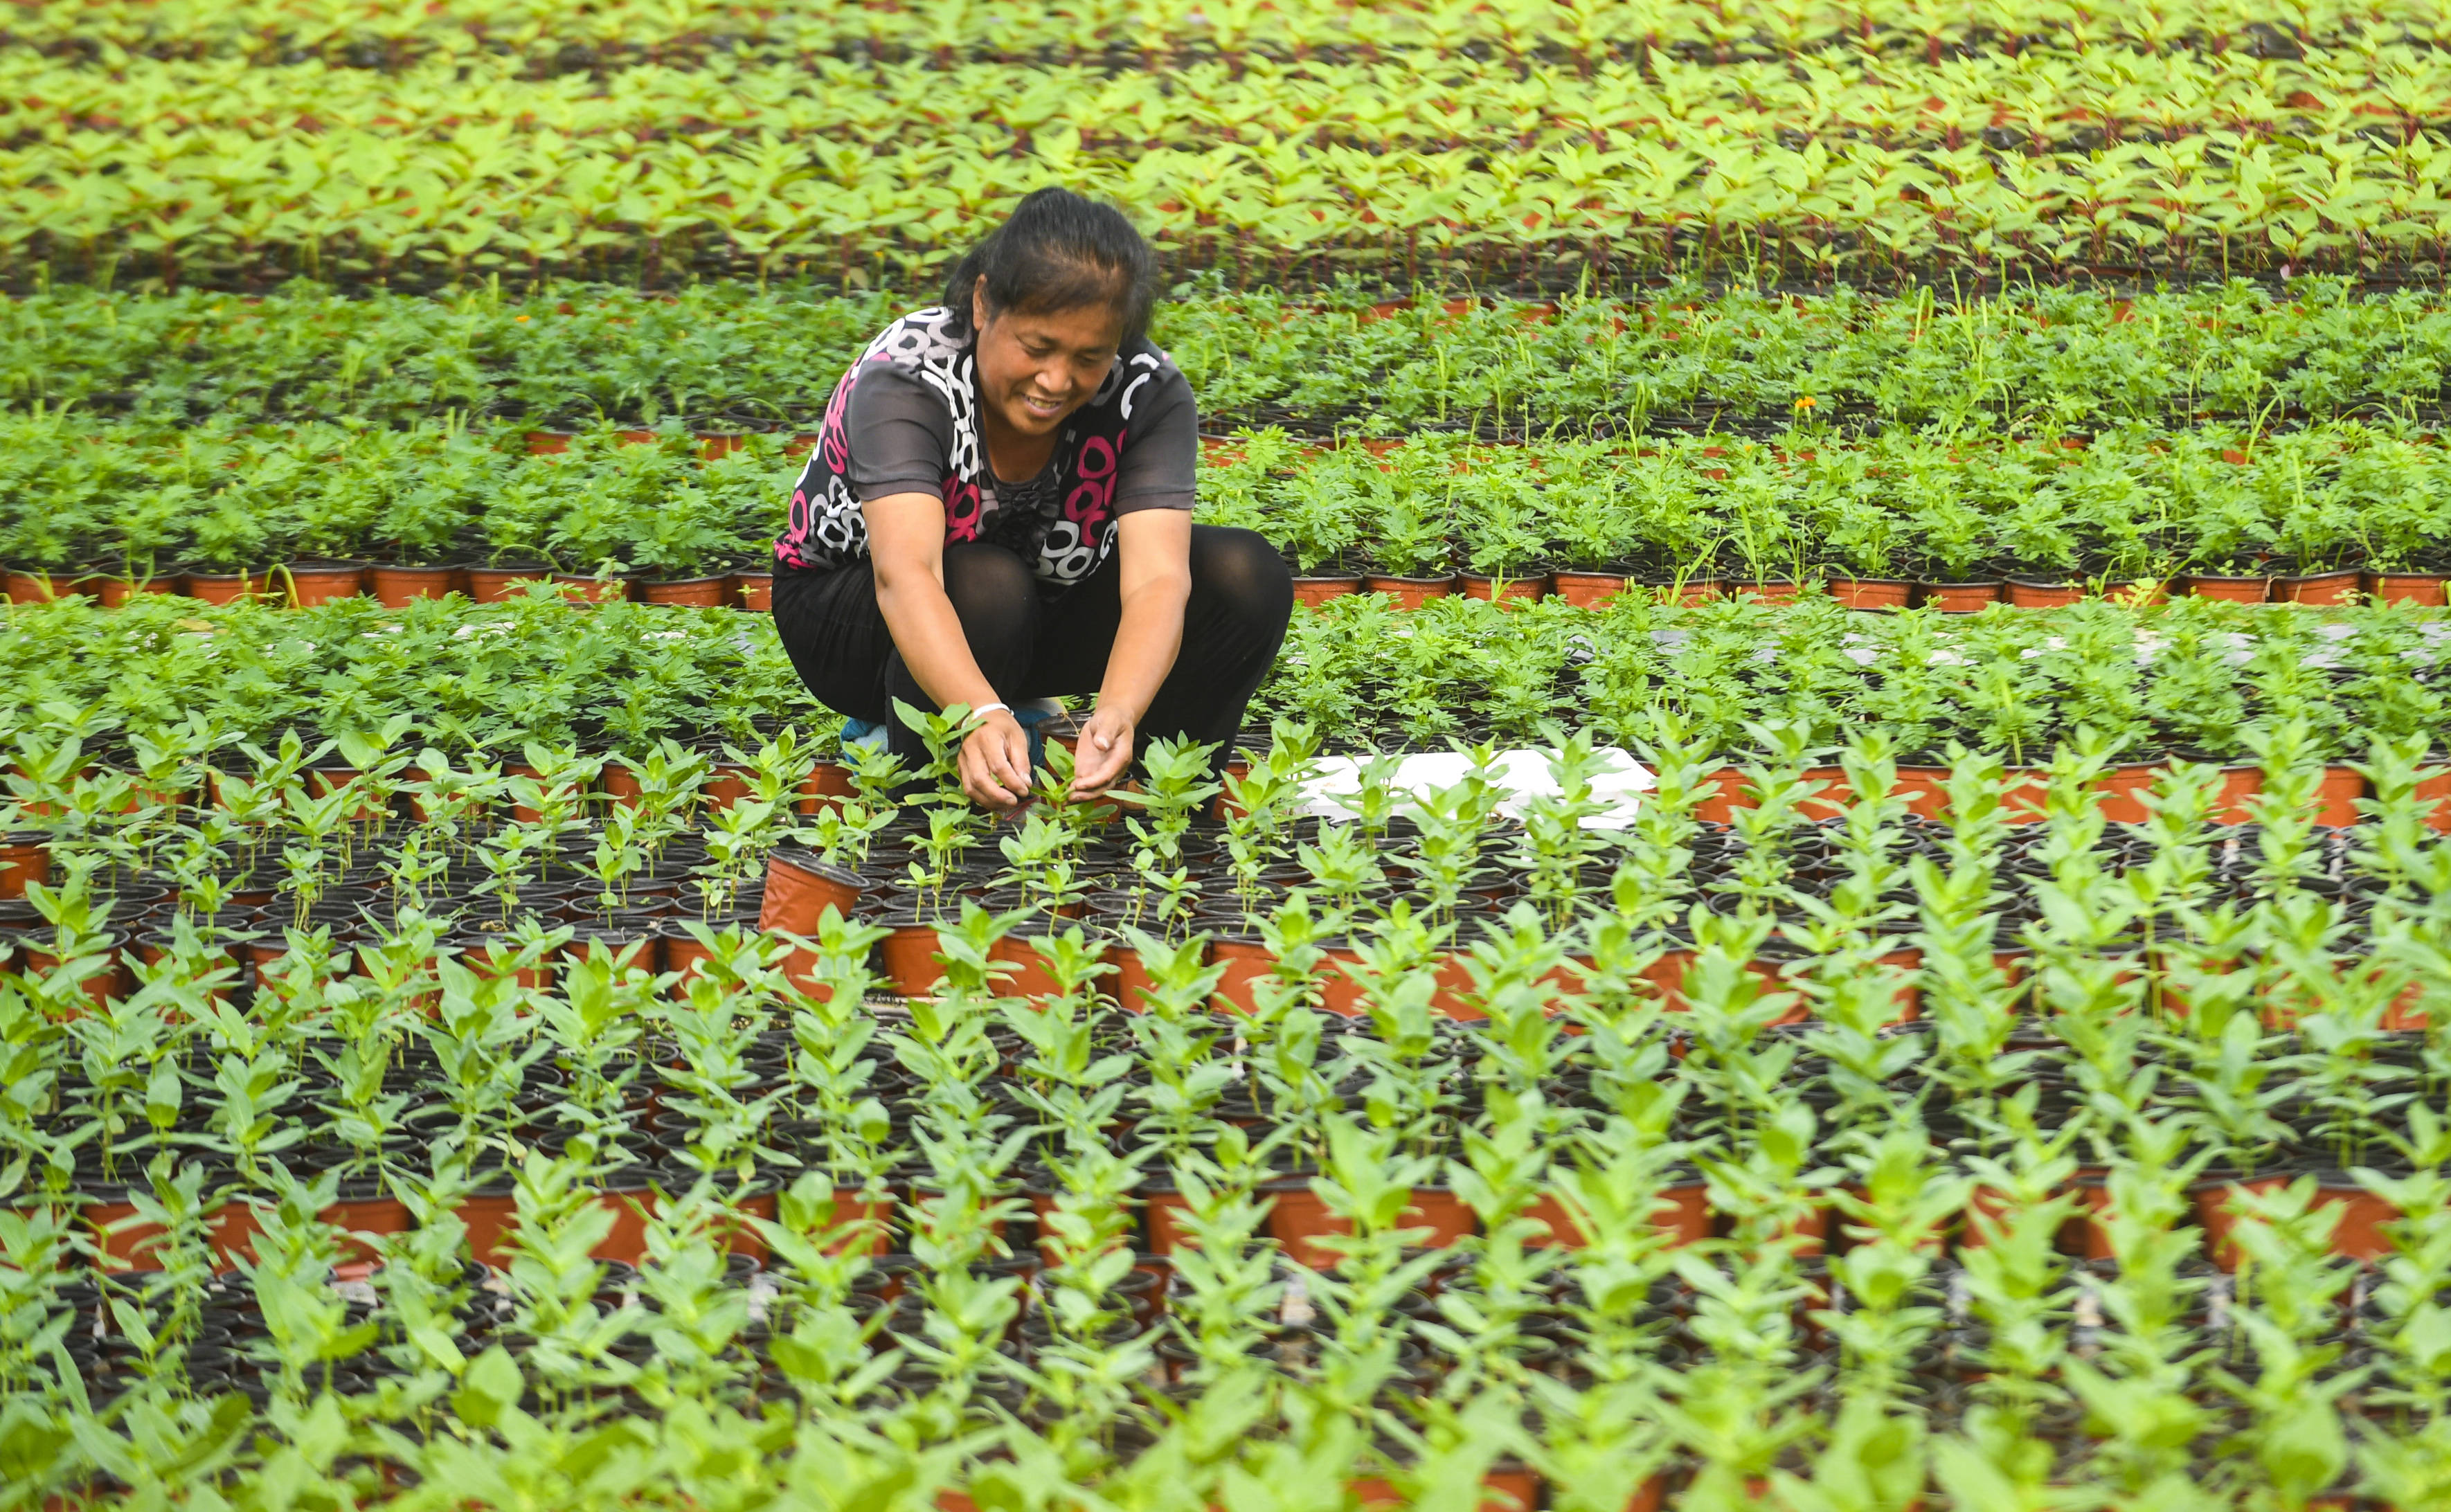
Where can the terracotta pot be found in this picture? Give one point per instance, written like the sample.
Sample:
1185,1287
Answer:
116,591
1588,590
2357,1236
376,1213
1667,977
128,1248
1957,598
876,1210
683,952
631,1204
593,590
25,856
696,593
753,590
1167,1233
1684,1214
829,782
1298,1219
727,784
2425,588
549,443
910,957
1246,962
1408,593
2437,788
225,588
321,583
34,587
800,889
1318,589
1497,588
2338,798
2123,790
2028,594
1735,792
1339,989
1871,593
489,1217
2237,784
398,587
1768,590
496,584
2319,588
1504,1489
714,443
1129,986
1691,591
1925,790
1029,979
2233,590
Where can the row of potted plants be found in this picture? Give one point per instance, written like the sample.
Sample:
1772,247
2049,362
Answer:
1602,1244
482,680
730,356
2312,514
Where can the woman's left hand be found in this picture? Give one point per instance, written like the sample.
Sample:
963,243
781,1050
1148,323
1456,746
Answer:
1105,752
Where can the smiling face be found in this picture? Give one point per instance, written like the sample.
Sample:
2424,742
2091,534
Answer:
1035,369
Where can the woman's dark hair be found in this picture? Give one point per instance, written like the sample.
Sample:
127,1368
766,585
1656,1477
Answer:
1059,251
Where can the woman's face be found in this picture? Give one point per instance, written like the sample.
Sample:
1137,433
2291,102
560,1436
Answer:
1036,370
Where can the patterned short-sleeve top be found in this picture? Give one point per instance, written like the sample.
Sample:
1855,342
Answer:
1063,520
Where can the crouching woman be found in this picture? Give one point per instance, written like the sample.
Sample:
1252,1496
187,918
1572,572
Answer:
999,508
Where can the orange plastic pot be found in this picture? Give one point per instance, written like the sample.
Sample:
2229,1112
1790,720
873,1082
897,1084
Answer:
1735,792
1871,593
1508,1488
1298,1220
689,593
1588,590
2357,1235
2320,589
1030,977
374,1215
686,954
727,785
631,1204
227,588
592,590
1246,962
2024,594
828,783
1408,593
753,590
1492,588
2231,590
497,585
23,859
1130,985
2336,796
399,587
1326,588
1924,788
1766,591
1167,1233
1684,1214
489,1219
1339,989
116,591
909,957
800,889
2407,587
328,584
1957,598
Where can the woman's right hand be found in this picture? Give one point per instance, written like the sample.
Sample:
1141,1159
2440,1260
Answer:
994,763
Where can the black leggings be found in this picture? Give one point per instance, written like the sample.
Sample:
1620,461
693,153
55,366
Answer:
1032,645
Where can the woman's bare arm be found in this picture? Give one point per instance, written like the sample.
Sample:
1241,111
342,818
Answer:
905,541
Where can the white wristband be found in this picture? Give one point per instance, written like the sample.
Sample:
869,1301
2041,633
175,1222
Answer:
986,709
